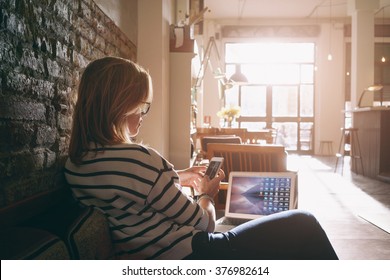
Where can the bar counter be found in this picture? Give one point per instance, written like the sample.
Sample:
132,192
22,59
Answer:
374,137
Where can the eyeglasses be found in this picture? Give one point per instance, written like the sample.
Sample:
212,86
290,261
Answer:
145,107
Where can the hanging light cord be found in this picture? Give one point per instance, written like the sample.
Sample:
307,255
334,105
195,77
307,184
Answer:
383,35
330,30
241,6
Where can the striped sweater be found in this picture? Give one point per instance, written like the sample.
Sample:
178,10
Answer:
139,192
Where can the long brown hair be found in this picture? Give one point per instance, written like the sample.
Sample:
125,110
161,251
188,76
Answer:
109,89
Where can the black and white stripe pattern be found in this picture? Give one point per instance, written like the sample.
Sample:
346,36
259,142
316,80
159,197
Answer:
139,192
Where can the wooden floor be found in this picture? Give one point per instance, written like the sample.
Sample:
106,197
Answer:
353,210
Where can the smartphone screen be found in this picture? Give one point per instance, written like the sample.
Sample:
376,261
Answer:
214,166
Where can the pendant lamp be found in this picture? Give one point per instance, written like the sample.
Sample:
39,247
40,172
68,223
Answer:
238,77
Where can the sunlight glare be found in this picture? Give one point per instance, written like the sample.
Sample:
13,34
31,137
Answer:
270,63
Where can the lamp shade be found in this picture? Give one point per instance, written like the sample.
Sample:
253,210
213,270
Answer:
238,77
372,89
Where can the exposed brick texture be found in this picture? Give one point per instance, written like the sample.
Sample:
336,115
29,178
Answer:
43,46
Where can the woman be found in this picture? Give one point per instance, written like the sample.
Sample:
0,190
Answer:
140,192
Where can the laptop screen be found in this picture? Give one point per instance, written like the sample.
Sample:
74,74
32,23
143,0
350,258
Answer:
255,194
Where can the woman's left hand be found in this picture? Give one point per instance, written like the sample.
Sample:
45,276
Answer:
191,176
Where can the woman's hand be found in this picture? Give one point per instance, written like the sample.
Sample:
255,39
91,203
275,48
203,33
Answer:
191,176
195,178
210,186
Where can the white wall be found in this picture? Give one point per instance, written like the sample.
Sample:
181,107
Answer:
330,85
123,13
153,53
180,105
208,99
146,23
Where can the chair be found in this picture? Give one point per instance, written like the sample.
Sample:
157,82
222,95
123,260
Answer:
202,132
328,144
227,139
249,157
349,136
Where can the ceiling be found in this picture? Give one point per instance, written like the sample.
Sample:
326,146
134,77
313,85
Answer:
280,9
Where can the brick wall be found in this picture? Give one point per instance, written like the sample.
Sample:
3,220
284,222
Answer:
43,46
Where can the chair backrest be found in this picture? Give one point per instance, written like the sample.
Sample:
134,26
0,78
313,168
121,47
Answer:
249,157
227,139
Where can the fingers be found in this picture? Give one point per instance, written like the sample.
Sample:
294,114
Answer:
197,169
210,186
220,175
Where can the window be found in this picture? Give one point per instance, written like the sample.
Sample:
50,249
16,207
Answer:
280,91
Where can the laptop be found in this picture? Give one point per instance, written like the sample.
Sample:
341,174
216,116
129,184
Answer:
252,195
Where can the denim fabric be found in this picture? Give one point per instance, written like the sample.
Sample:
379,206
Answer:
287,235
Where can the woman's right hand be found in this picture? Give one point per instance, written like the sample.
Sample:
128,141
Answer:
210,186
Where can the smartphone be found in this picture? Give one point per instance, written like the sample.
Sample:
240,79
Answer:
214,165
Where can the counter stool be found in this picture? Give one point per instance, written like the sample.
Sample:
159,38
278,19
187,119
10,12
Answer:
354,151
328,145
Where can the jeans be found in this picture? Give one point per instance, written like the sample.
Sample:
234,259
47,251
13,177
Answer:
289,235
